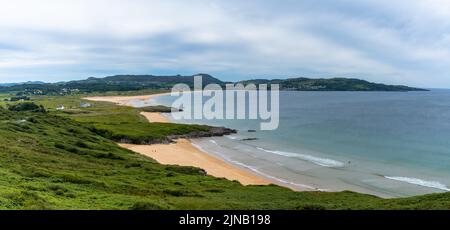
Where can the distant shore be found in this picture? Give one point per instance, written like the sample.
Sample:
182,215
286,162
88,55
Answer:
123,100
182,152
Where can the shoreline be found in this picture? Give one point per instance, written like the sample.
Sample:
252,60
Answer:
183,152
123,100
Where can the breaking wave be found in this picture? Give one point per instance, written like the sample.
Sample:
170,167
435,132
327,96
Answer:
420,182
316,160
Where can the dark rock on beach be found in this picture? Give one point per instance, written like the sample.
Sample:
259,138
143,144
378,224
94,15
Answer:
249,139
159,109
212,132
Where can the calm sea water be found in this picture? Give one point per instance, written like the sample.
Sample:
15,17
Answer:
390,144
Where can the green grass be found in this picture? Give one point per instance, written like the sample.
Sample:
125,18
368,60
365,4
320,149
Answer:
118,123
55,161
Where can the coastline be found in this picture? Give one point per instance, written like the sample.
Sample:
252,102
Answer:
123,100
183,152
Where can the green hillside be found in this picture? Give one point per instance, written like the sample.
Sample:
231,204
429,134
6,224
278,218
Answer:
333,84
106,84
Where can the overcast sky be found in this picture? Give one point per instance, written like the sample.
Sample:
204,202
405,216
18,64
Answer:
398,42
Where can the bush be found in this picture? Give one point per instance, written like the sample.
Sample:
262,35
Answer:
181,193
75,179
312,207
187,170
108,156
27,106
81,144
18,98
145,206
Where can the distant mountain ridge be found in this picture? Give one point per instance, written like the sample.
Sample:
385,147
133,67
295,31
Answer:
141,82
110,83
22,83
331,84
151,79
299,84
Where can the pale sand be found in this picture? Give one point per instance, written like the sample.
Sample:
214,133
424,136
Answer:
123,100
155,117
182,152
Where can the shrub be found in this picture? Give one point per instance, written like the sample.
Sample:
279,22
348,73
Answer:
146,206
75,179
312,207
27,106
81,144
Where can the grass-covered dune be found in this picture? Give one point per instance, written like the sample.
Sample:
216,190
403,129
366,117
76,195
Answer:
54,160
120,123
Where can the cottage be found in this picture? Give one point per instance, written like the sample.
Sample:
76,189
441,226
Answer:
85,105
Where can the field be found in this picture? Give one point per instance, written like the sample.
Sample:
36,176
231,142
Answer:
60,160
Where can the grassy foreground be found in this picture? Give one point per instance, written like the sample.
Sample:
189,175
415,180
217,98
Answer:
55,160
118,123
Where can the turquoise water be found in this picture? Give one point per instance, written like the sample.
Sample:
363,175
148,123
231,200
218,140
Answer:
390,144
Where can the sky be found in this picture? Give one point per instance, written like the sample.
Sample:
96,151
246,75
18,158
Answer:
395,42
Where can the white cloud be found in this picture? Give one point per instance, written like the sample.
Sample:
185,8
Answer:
394,42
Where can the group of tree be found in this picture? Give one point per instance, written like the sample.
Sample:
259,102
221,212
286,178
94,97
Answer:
26,106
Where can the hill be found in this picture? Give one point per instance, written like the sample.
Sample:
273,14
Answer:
22,83
111,83
333,84
150,82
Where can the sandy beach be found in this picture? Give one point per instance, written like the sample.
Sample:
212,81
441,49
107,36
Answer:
155,117
185,154
123,100
182,152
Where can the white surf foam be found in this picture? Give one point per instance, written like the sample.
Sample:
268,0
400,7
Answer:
213,141
231,137
272,177
199,147
316,160
258,171
420,182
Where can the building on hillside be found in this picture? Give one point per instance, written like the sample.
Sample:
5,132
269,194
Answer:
85,105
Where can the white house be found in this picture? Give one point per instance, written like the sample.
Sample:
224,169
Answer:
85,105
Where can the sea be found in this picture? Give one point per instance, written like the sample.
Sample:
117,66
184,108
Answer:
388,144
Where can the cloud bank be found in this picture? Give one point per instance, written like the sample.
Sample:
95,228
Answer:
397,42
